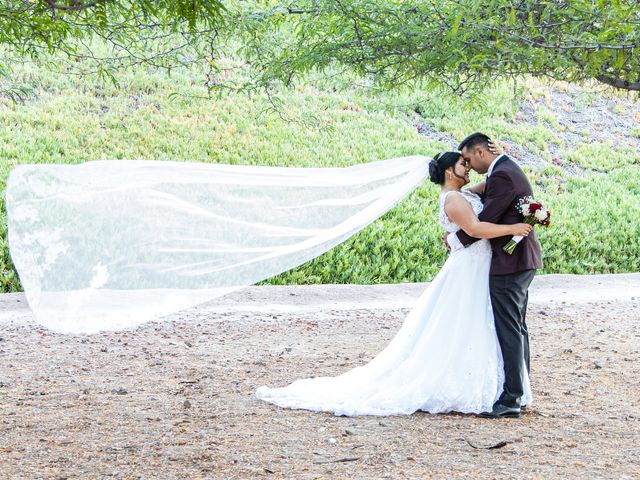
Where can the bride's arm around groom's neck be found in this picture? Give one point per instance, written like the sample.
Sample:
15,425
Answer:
477,188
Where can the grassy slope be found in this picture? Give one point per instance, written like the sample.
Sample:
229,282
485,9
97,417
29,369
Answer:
154,116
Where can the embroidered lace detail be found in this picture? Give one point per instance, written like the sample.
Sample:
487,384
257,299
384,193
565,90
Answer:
472,198
482,247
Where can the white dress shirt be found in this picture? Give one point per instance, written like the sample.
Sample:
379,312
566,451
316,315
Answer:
493,164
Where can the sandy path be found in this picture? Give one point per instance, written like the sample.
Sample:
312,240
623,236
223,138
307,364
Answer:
175,399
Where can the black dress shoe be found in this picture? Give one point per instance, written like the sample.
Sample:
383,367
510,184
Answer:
500,411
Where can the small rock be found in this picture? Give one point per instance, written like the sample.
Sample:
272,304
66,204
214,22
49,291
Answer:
597,366
286,350
186,404
332,441
542,312
119,391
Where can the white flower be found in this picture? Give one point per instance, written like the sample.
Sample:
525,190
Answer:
525,210
541,215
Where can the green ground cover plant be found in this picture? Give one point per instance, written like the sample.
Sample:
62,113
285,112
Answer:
592,188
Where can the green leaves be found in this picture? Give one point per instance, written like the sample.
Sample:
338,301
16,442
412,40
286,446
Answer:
157,116
137,30
594,225
463,44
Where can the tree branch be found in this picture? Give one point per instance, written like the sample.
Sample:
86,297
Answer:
618,83
77,6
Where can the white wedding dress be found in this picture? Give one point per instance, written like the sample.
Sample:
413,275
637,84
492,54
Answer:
444,358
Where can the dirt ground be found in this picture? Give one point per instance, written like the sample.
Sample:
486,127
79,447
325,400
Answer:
175,399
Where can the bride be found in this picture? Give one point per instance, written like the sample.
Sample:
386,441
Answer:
446,355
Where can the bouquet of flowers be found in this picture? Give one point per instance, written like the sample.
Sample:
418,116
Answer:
533,213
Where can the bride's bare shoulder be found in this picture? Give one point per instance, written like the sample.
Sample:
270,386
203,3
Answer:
454,199
458,196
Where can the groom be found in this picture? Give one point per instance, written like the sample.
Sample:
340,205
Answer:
510,275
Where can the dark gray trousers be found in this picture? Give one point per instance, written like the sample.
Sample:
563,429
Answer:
509,298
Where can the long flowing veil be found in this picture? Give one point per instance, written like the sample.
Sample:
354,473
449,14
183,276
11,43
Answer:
107,245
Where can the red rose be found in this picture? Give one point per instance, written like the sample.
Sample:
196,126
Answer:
534,207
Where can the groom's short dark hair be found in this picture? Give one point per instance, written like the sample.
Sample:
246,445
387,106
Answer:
474,140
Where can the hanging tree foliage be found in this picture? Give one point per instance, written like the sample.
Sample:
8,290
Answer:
464,44
30,27
151,32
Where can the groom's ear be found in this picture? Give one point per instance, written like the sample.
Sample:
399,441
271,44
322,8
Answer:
478,150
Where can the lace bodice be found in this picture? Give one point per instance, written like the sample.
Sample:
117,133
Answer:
472,198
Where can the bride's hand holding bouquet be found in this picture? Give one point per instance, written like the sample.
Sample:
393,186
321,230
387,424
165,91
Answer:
534,213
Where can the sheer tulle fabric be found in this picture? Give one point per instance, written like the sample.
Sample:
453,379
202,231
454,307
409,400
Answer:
111,244
445,357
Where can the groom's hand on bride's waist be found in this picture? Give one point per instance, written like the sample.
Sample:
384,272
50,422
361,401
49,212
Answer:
445,241
452,242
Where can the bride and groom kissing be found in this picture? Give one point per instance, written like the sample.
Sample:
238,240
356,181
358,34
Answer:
464,347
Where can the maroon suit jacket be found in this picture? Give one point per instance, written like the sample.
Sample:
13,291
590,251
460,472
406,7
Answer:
505,186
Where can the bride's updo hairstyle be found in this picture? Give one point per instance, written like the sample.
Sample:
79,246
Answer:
439,165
